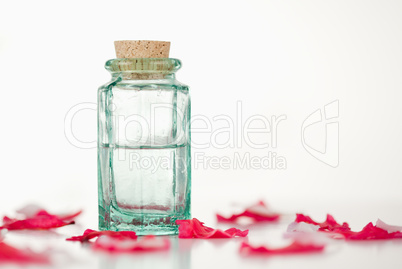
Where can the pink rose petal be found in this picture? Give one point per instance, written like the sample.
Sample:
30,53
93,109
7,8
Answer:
23,256
257,213
369,232
41,220
117,245
306,233
294,248
387,227
2,233
195,229
29,210
89,234
302,227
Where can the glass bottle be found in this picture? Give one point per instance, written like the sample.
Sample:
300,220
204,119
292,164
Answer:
144,165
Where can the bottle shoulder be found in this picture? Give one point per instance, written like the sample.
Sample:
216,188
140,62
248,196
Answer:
144,85
109,85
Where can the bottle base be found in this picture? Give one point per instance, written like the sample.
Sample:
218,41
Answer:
142,223
149,230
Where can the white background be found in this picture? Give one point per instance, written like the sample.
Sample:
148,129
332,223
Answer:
276,57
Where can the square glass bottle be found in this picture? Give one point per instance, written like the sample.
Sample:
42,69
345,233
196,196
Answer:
144,162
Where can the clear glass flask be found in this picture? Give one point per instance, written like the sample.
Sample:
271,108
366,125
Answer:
144,165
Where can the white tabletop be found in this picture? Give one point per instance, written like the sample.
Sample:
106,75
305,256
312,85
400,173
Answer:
222,253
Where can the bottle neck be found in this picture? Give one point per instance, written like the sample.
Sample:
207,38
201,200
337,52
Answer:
143,68
143,76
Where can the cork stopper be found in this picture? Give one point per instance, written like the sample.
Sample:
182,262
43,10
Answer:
142,49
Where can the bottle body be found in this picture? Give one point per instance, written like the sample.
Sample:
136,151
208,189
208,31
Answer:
144,163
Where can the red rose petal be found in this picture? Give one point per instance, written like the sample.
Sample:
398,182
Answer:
89,234
369,232
294,248
258,213
70,216
122,241
41,220
117,245
195,229
328,225
11,254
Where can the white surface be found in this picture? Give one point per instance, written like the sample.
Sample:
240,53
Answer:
216,253
276,57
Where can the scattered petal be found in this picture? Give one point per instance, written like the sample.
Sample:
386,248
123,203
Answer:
294,248
2,233
11,254
41,220
29,210
387,227
193,228
89,234
306,233
328,225
302,227
145,244
369,232
121,241
70,216
257,213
